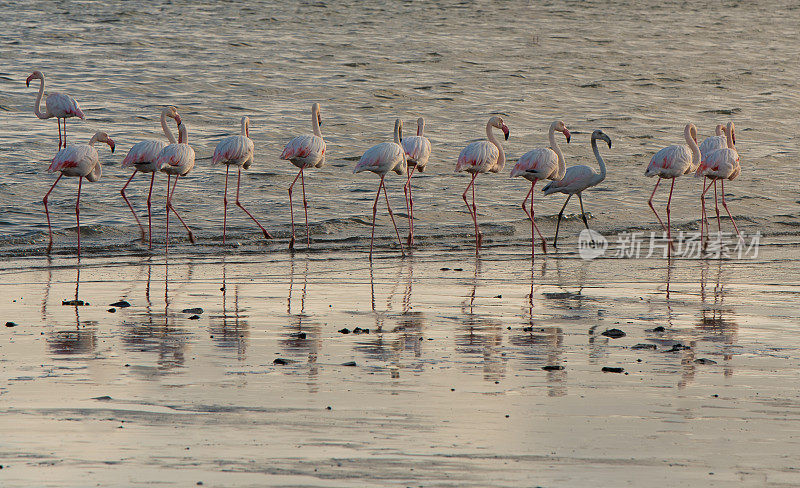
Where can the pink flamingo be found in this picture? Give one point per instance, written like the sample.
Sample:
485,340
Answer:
380,159
79,160
710,144
142,156
545,163
236,150
418,150
720,164
57,105
482,157
306,151
176,159
576,179
671,162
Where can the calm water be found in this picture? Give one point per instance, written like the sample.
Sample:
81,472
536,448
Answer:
638,70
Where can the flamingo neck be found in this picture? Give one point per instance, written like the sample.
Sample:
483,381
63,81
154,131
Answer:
562,165
36,110
501,159
729,136
315,124
600,161
245,127
398,133
183,134
420,127
720,128
688,135
165,127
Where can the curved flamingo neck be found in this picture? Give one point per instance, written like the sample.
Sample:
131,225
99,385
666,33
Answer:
315,123
245,127
600,161
729,135
720,128
165,127
398,132
183,134
36,110
562,165
688,135
501,159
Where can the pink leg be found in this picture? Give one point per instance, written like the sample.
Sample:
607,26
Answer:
291,207
392,216
374,212
525,203
409,206
122,191
169,196
225,204
703,217
238,204
47,213
728,211
471,209
305,208
149,213
59,132
650,202
534,226
191,236
65,132
475,216
716,208
669,226
78,212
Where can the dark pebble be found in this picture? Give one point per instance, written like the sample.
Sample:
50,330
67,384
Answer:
194,317
349,363
553,367
527,329
112,310
444,269
344,331
660,328
609,369
103,398
196,310
120,304
705,361
328,408
281,361
458,269
498,296
298,335
614,333
678,347
74,303
199,483
644,346
359,330
10,324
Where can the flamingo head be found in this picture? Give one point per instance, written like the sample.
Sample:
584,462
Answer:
719,129
497,122
36,75
598,134
561,127
103,137
420,126
172,112
316,112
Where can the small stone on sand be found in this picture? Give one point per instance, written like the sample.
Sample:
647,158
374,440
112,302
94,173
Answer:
120,304
614,333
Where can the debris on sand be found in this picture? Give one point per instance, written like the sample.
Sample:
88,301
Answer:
196,310
553,367
282,361
194,317
611,369
74,303
359,330
120,304
704,361
349,363
614,333
103,398
298,335
644,346
677,347
10,324
344,331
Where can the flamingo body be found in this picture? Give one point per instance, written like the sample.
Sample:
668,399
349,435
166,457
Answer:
537,164
671,162
144,156
575,180
479,157
176,159
382,158
234,150
306,151
62,106
77,160
722,164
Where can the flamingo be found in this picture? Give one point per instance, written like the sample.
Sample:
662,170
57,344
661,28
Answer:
710,144
79,160
176,159
236,150
418,150
306,151
481,157
720,164
545,163
142,156
577,179
380,159
671,162
57,105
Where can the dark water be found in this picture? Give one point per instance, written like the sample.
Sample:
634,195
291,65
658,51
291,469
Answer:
638,70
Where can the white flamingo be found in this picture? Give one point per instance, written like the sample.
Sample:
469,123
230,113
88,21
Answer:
482,157
670,163
57,105
380,159
710,144
79,160
176,159
306,151
577,179
720,164
236,150
418,150
142,156
545,163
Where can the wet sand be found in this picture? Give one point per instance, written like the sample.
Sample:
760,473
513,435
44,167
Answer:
446,389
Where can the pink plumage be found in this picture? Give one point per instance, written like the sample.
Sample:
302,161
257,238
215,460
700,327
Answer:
58,105
382,158
480,157
178,158
143,155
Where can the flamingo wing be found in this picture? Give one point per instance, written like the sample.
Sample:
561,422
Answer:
382,158
576,179
670,161
234,150
75,160
539,163
63,106
477,157
305,150
143,152
417,149
712,144
720,164
179,158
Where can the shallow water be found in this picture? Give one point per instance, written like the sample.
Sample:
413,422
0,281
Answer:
638,70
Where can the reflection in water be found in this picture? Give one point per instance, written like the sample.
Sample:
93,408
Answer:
82,339
714,325
303,335
230,332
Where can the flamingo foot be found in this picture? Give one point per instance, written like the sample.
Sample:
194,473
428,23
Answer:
191,238
480,238
291,243
410,240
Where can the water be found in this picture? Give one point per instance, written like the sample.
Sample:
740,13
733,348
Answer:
638,70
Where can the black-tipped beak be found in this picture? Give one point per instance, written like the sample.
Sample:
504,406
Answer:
609,143
319,120
733,138
567,135
111,145
178,119
505,130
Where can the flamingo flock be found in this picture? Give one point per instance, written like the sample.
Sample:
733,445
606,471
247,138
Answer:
716,159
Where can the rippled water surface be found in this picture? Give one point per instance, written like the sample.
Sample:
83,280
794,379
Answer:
638,70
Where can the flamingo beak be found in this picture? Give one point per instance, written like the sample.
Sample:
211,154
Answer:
28,81
567,135
177,119
733,137
609,143
504,128
319,120
111,144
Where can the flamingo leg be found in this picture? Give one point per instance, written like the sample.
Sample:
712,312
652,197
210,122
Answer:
47,213
669,226
471,209
291,207
393,223
729,213
478,234
225,204
149,213
374,213
583,214
409,206
65,132
716,208
58,120
78,212
239,204
558,223
703,216
650,202
525,202
305,208
534,226
174,185
169,196
122,192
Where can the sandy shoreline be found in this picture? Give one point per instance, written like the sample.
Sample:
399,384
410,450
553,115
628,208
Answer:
447,388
